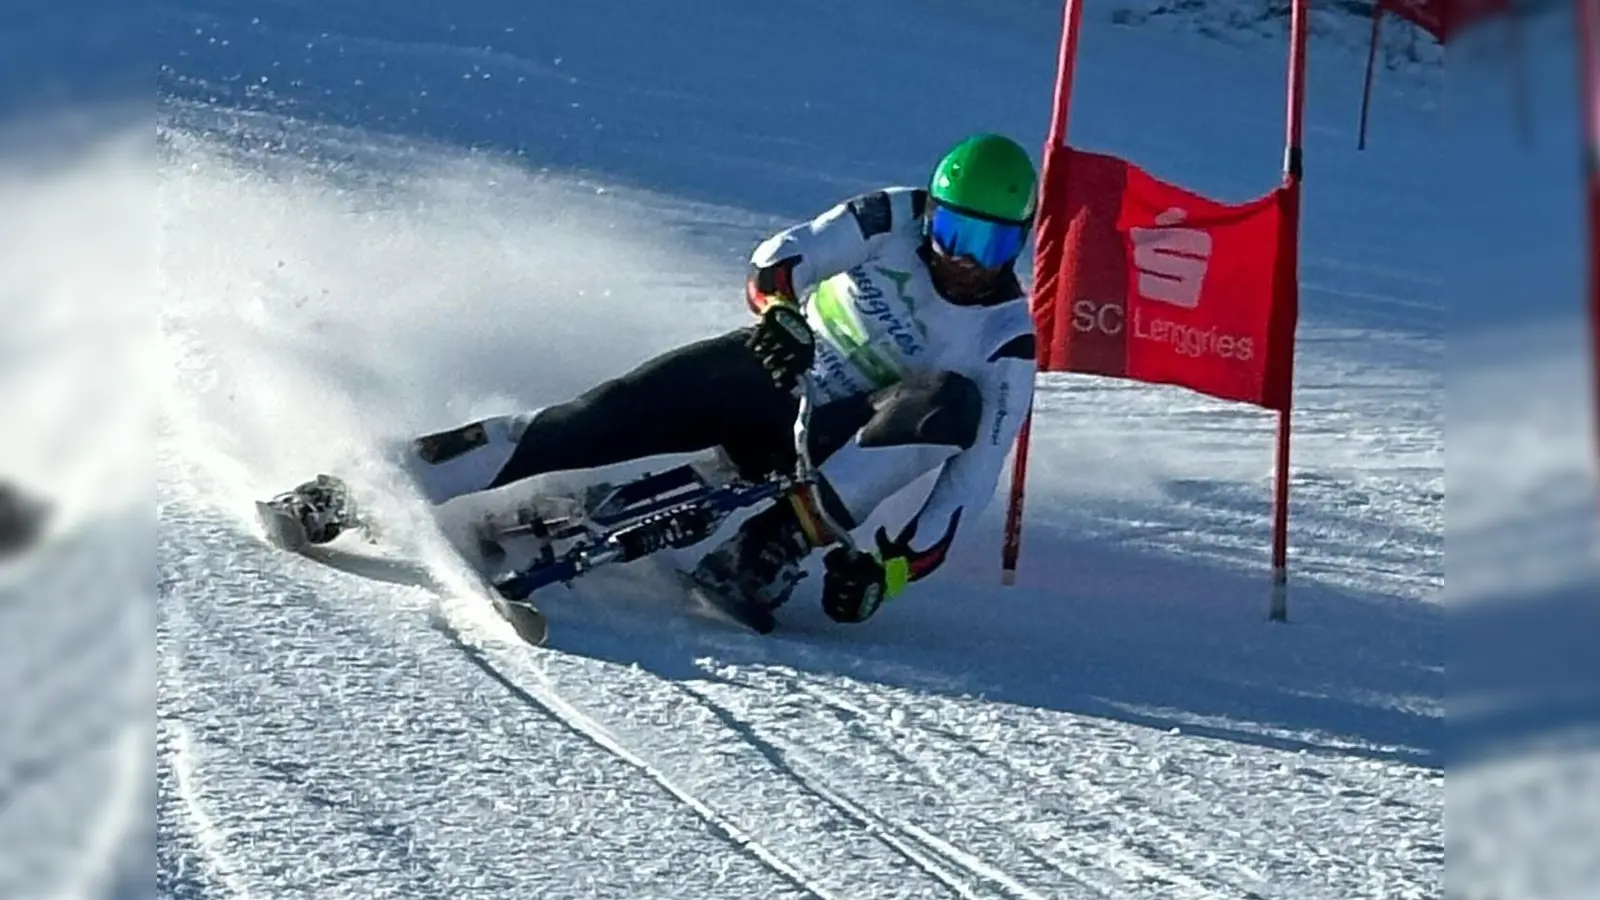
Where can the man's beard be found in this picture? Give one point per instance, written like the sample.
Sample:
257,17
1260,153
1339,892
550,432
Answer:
962,279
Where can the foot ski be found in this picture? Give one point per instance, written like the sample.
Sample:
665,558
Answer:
313,513
305,519
525,618
282,527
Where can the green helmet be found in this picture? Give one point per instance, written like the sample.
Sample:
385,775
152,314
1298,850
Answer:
987,174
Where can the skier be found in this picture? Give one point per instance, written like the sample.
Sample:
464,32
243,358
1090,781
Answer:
902,308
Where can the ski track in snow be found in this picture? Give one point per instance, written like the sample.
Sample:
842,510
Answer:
381,806
557,708
802,784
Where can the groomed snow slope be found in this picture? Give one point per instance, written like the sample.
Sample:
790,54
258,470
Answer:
384,218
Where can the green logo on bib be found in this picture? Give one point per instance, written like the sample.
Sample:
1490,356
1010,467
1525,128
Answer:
843,329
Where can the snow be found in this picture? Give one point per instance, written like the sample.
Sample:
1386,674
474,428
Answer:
376,219
75,728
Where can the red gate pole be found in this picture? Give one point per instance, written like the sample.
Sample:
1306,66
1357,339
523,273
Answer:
1588,22
1072,15
1293,171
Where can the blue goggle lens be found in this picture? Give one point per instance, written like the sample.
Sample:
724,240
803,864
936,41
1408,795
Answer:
991,243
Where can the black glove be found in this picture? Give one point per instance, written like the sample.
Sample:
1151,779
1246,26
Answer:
784,344
855,583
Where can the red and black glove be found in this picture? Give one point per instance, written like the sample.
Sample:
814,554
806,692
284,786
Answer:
783,342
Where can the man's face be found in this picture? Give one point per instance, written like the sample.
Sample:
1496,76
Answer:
961,277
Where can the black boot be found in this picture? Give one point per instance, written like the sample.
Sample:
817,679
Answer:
762,563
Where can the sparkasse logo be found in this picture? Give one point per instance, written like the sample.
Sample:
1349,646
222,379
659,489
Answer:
1172,261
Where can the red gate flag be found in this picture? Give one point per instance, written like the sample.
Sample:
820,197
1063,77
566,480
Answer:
1137,278
1140,279
1442,18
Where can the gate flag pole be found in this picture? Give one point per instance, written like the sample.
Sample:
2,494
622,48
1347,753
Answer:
1588,28
1072,15
1293,171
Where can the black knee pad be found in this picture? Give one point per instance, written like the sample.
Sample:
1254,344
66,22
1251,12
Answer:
942,408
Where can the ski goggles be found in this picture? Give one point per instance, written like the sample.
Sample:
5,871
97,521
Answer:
991,242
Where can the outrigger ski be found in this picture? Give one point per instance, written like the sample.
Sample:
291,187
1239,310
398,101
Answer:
286,530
